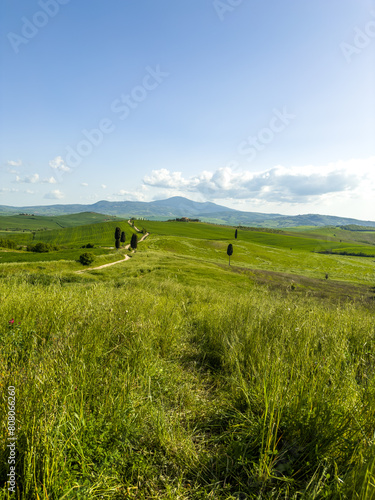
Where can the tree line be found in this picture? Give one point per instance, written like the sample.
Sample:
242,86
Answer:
120,237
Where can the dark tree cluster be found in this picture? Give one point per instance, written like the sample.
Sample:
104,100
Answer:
7,243
119,237
42,247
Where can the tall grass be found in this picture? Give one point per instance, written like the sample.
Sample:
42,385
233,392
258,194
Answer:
149,388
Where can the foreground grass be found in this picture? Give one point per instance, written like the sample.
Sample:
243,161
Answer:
158,383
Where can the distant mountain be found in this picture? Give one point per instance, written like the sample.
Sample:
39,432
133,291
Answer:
182,207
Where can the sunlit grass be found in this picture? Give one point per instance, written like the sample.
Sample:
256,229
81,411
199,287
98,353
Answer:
174,375
152,388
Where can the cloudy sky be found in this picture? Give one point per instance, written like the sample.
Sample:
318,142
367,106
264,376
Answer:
259,105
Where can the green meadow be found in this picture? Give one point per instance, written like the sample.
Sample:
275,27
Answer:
30,222
175,375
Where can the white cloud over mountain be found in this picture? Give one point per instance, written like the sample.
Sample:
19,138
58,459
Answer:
279,184
56,194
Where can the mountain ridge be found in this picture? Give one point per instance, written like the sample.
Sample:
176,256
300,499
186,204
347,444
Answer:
179,206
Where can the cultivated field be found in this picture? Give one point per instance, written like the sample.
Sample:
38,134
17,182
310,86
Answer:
173,375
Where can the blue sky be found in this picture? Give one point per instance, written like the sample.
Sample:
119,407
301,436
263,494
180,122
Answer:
259,105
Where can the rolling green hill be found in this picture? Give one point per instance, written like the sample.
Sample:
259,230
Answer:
287,253
174,375
308,241
30,222
101,233
178,206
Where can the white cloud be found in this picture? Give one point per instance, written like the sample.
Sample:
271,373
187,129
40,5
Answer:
166,179
103,186
28,191
56,194
123,194
50,180
84,184
300,184
59,164
8,190
14,163
30,179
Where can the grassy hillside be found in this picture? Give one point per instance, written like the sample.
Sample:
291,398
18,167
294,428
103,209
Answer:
316,240
98,234
70,240
175,378
39,223
173,375
271,251
336,234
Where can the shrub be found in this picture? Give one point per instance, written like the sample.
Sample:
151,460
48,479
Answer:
7,244
86,258
40,247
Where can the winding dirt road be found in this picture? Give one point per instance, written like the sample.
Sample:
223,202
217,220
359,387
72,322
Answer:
126,257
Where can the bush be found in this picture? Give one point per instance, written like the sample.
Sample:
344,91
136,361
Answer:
39,248
7,244
42,247
89,245
86,258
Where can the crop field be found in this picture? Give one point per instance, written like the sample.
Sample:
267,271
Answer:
175,375
38,223
318,241
336,234
98,234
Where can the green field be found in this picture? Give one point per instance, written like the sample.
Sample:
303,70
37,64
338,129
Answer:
99,234
173,375
40,223
317,240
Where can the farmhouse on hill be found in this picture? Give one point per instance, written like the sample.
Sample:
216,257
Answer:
184,219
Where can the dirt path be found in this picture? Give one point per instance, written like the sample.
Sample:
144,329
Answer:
138,230
144,236
126,257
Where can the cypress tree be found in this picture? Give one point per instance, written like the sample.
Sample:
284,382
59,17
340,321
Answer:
123,237
117,237
235,234
230,251
134,241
